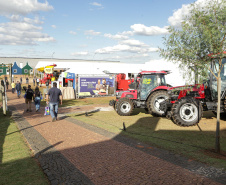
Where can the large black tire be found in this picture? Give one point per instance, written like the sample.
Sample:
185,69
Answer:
186,112
222,114
115,106
153,102
124,107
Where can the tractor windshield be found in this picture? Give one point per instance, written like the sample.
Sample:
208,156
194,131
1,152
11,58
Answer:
149,82
222,75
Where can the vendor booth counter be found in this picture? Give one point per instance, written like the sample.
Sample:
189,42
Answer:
67,92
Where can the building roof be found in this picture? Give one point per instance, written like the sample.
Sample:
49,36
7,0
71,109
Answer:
34,61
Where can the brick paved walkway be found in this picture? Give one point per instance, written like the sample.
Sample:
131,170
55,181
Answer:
72,152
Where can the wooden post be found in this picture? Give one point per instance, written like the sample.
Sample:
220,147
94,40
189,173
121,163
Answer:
217,144
1,90
3,97
10,73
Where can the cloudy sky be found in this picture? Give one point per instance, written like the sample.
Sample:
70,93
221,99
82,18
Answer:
115,30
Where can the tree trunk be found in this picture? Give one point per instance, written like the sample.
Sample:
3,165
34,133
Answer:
196,75
217,145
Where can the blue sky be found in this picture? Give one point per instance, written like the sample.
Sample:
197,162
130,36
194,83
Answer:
115,30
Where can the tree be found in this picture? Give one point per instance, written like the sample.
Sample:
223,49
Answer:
201,35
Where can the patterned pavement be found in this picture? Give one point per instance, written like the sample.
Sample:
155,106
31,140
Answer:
72,152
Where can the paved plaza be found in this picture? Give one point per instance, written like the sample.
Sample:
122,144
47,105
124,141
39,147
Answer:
72,152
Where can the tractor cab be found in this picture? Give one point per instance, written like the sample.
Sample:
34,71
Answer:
149,81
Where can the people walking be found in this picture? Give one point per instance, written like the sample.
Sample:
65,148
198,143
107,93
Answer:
37,95
13,85
21,80
47,85
29,97
18,89
27,80
53,97
7,84
34,81
37,81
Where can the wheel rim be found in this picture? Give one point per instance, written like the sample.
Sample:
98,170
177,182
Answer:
125,107
157,102
188,112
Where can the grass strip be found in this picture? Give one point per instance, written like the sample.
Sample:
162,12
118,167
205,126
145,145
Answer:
17,166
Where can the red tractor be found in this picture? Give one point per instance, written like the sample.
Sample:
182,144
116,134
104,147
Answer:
122,83
147,91
186,104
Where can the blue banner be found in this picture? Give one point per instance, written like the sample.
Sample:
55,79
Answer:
96,86
70,75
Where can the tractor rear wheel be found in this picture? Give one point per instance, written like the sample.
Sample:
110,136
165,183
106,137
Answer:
187,112
124,107
222,114
153,103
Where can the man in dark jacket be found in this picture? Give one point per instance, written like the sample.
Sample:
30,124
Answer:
18,89
29,97
54,95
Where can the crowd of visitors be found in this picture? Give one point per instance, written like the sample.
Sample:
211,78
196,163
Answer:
53,96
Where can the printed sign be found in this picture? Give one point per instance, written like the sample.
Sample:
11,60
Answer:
48,70
96,86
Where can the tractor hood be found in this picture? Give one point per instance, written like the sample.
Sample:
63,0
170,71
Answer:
196,90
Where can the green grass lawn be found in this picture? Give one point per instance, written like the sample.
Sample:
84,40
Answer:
194,142
17,166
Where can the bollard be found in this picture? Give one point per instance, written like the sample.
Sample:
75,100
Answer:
124,127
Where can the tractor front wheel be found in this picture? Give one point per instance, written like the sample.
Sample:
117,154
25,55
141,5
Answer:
187,112
153,103
124,107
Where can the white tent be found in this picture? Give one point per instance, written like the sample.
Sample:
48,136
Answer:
101,68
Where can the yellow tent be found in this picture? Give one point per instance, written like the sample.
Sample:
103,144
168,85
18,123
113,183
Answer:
41,69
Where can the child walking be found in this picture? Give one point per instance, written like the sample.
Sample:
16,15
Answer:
37,98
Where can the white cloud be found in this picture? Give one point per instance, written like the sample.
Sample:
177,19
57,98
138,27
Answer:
179,15
128,33
73,32
22,30
133,42
53,26
83,53
22,33
92,32
22,7
96,4
125,48
141,29
18,18
116,37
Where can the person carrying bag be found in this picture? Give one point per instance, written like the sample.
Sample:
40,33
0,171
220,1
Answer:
38,96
